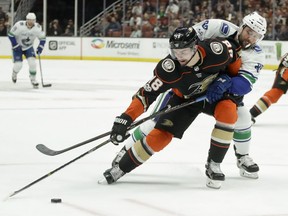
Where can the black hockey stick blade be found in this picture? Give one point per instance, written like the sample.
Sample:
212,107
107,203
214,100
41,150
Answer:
46,85
57,169
47,151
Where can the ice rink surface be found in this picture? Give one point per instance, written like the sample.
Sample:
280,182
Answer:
82,103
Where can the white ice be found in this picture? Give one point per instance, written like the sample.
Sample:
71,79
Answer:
82,103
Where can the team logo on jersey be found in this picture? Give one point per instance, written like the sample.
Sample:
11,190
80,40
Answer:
216,48
257,48
224,29
168,65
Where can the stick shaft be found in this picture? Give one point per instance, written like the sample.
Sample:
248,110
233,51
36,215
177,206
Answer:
47,151
59,168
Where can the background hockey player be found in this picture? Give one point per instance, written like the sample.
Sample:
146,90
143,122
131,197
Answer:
22,36
279,88
189,70
250,32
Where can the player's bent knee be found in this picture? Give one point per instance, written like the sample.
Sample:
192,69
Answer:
17,66
158,139
244,118
226,112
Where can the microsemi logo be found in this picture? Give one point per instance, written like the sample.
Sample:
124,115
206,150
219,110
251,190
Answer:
97,43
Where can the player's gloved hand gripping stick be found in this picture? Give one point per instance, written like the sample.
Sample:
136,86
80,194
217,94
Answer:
45,150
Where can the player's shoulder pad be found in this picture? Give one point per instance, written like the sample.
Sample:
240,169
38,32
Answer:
168,65
166,68
213,46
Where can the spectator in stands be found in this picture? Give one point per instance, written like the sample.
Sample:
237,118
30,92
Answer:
118,12
113,25
97,31
54,28
69,29
184,7
269,33
172,9
283,34
2,14
161,30
174,24
136,32
135,20
137,9
3,30
161,12
148,7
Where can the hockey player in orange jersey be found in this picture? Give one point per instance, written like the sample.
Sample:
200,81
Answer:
279,88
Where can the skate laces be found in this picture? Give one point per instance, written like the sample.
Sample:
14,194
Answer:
246,161
215,167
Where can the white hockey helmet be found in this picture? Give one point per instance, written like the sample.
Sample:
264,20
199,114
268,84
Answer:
256,22
31,16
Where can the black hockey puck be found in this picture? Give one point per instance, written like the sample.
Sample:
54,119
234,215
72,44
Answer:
56,200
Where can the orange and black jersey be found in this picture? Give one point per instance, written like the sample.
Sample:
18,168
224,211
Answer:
187,82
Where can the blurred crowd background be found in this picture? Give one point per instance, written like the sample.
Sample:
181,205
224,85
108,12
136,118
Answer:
149,18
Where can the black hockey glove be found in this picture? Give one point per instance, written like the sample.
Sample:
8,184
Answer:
119,130
284,60
217,89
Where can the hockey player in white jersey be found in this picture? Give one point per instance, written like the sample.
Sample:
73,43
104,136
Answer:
22,36
248,34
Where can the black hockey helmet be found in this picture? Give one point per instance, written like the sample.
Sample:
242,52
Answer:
183,37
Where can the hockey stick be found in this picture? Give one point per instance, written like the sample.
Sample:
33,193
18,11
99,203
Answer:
41,74
57,169
47,151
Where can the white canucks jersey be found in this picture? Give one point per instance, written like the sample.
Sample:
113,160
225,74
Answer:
252,58
25,36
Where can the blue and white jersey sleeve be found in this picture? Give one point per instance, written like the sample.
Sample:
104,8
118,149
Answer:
212,28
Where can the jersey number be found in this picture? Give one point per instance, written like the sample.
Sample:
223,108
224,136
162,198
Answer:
156,84
228,44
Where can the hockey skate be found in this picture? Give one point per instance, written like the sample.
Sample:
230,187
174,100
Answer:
248,168
119,156
33,81
113,174
14,77
215,177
